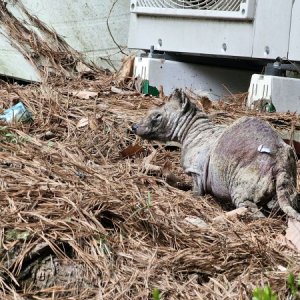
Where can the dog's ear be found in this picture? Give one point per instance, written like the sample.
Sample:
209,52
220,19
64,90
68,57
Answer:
181,99
175,96
185,101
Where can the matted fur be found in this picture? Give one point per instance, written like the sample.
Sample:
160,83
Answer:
226,161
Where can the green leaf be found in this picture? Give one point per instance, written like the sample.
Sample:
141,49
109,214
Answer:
298,282
155,294
291,284
265,293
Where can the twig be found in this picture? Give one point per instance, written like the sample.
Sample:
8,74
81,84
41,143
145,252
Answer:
108,28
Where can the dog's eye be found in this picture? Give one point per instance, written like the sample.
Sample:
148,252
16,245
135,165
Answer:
156,119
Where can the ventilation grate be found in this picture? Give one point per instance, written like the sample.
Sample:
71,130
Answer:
216,5
242,10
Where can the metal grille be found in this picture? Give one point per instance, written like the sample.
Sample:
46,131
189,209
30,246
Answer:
217,5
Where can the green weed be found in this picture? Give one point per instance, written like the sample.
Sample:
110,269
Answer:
294,285
156,294
266,293
10,137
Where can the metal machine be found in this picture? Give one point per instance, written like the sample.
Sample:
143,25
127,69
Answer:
216,47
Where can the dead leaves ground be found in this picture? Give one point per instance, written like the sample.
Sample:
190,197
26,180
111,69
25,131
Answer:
81,220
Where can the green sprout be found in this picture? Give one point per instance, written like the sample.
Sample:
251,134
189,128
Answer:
265,293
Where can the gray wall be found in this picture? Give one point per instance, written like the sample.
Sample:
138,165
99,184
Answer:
83,25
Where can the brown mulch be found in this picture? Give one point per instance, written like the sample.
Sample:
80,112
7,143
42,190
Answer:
81,218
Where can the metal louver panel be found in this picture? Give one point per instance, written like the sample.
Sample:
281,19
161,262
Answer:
231,9
227,5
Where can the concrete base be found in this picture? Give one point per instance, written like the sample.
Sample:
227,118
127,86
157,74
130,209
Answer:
213,82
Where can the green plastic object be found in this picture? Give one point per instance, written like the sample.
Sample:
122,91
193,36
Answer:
147,89
270,107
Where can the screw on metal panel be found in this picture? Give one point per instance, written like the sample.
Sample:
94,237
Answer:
267,50
132,6
160,42
243,11
224,46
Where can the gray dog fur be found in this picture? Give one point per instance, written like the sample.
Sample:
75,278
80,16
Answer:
246,162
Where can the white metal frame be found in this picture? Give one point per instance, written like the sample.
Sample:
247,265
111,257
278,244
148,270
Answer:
245,11
267,29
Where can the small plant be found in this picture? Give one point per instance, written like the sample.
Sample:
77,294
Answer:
265,293
294,285
156,294
10,137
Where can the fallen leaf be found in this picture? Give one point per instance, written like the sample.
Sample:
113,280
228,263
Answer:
131,150
205,103
147,160
231,214
122,92
152,169
161,92
196,222
293,233
167,168
281,268
84,94
93,123
82,68
82,122
126,71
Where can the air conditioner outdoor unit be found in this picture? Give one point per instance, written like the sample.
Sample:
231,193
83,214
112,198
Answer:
215,46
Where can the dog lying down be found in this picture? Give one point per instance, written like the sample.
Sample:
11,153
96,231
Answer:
246,162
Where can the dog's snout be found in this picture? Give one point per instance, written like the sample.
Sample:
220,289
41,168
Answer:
134,128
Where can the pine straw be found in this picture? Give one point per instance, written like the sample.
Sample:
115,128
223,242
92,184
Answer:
118,230
47,51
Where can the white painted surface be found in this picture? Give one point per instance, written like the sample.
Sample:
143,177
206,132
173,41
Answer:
83,25
213,82
13,63
267,36
272,28
238,10
283,92
294,49
191,35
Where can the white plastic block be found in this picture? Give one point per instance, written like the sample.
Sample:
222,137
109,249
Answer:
282,92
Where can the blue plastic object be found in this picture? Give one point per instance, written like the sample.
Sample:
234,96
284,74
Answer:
17,113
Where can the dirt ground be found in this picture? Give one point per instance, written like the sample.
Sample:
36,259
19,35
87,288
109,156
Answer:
89,211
